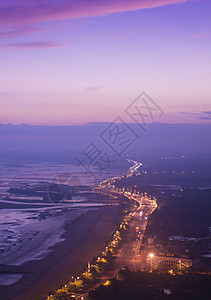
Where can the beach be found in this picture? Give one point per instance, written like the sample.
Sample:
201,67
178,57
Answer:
83,239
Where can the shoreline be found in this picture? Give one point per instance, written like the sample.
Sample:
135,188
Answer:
68,258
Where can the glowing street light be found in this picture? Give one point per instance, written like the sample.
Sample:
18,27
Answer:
151,255
180,266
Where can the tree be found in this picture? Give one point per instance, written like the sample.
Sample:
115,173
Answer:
61,295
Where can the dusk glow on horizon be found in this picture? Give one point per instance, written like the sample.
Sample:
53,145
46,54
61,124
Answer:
73,62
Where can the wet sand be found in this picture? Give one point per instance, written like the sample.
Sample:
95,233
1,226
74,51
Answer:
84,238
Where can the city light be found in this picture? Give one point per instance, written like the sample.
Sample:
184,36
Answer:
151,255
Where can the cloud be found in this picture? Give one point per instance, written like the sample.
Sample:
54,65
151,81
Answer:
89,21
204,115
21,12
189,113
116,37
206,112
7,33
34,45
197,36
95,88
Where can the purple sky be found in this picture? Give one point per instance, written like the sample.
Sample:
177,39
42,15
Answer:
75,61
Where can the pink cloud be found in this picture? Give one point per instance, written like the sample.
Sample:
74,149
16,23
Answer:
116,37
21,12
34,45
197,36
7,33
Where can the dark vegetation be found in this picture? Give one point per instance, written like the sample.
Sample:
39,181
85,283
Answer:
149,286
184,212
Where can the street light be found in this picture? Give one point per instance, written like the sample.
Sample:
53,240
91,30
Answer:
151,255
180,266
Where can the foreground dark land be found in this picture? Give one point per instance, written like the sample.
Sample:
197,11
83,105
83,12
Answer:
142,285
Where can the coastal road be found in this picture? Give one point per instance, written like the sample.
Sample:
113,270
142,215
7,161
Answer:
129,254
